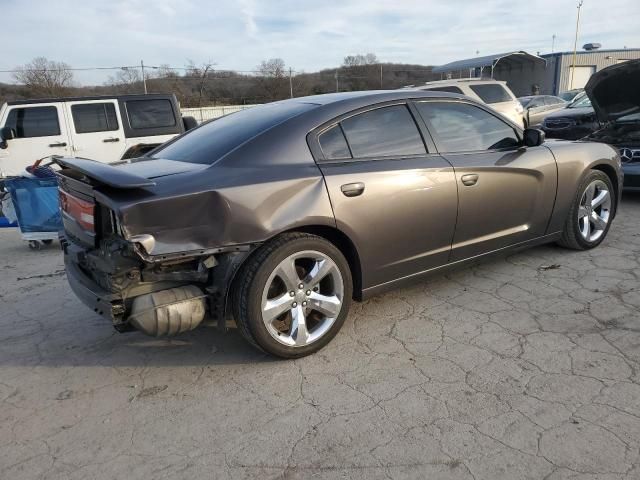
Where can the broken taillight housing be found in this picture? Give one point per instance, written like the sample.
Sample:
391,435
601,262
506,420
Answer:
82,211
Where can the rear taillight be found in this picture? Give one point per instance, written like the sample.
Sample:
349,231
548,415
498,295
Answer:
80,210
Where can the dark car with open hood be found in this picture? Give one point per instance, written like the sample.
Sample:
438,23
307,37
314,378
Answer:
615,96
279,215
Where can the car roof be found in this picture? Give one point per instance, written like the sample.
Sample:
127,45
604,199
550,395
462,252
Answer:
463,80
370,96
93,97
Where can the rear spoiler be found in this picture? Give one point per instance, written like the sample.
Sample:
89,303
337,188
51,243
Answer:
104,173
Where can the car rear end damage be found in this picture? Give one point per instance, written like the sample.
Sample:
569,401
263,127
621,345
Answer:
115,275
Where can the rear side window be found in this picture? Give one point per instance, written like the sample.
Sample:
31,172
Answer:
461,127
333,144
383,132
34,122
94,117
491,92
150,113
446,89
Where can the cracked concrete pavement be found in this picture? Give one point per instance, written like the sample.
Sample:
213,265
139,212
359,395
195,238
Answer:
520,368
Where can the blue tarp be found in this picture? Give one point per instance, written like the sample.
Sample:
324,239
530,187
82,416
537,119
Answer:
36,203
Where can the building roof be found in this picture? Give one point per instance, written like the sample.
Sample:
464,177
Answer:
514,58
587,52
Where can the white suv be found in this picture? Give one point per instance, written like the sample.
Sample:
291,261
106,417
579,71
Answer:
100,128
494,93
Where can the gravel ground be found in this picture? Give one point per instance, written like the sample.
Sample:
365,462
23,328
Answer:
524,367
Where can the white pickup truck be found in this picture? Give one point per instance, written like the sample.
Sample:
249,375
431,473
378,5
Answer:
100,128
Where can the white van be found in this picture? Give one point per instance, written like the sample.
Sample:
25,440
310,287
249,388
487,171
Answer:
494,93
100,128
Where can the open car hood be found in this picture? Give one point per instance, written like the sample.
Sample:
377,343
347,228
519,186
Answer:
615,91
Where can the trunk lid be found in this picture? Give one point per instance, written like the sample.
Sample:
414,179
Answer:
614,91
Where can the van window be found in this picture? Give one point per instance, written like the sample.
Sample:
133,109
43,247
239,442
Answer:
156,113
94,117
491,92
34,121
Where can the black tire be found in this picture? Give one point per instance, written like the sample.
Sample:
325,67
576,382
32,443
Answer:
47,242
251,281
571,237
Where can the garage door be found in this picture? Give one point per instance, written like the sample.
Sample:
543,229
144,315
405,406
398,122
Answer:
581,76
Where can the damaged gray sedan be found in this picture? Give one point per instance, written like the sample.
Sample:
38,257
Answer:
280,215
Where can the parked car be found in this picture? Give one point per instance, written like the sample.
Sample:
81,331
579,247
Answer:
101,128
615,96
537,107
494,93
281,214
570,95
575,121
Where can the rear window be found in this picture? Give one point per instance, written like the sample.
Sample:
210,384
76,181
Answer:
491,92
333,144
150,113
94,117
212,140
446,89
34,122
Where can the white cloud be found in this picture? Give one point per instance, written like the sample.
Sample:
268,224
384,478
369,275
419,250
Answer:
308,35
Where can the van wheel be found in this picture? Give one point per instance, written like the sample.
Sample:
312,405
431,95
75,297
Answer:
293,295
591,213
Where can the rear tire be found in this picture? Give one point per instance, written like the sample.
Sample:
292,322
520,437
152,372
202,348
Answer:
591,212
292,295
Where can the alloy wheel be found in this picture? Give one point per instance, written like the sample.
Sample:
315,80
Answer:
302,298
594,211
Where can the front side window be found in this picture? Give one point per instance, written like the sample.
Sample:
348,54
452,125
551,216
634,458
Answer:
34,121
383,132
333,144
491,92
94,117
461,127
150,113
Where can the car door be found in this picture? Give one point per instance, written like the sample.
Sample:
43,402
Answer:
40,131
395,199
96,129
506,191
536,110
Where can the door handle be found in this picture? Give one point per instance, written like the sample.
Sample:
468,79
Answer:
58,144
470,179
112,139
352,189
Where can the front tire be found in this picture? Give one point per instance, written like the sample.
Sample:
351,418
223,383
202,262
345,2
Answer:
293,295
591,213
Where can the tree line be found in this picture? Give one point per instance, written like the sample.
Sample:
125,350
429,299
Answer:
198,85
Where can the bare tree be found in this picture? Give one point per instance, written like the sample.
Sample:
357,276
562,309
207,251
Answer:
200,73
272,78
127,80
45,77
362,72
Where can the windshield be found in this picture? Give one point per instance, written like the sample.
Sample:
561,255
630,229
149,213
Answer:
524,101
570,95
212,140
581,101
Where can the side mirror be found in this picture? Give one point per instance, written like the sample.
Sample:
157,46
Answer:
533,137
7,133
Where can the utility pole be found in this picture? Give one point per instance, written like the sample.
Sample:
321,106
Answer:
290,84
144,80
336,75
575,45
380,76
553,42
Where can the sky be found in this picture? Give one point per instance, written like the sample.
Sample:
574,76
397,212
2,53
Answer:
307,35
